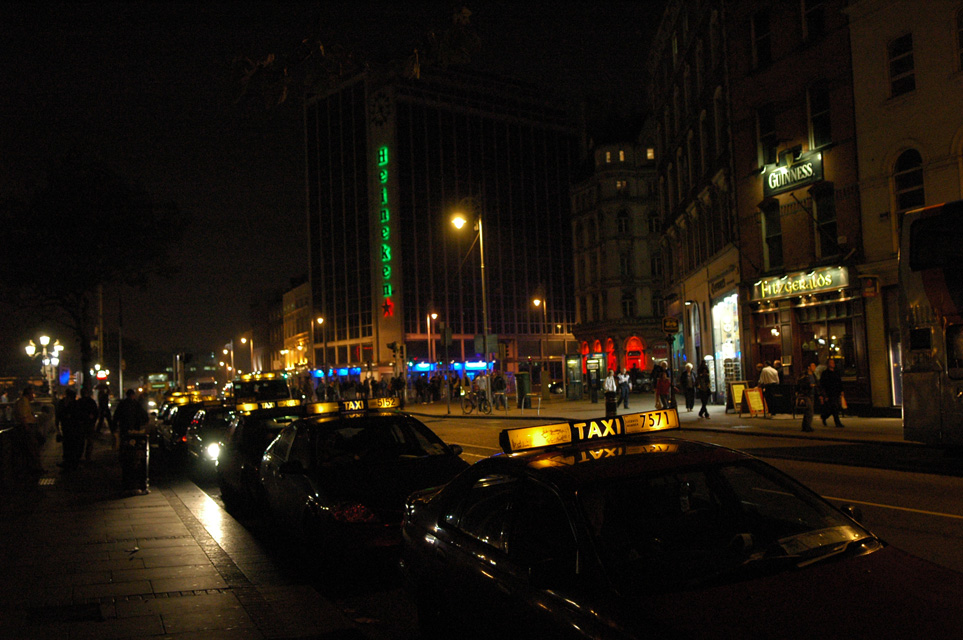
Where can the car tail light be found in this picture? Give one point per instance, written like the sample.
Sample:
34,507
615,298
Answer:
354,513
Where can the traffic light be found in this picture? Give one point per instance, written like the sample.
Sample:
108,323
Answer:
393,346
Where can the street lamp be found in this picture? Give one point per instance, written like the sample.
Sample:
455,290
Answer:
49,359
459,220
229,349
251,341
431,341
324,348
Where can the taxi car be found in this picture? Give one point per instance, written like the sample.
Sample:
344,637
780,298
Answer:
610,528
172,430
339,477
254,426
205,435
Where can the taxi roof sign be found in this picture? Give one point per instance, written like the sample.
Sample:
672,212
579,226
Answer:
526,438
268,404
353,406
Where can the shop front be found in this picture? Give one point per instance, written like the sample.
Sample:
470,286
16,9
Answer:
812,316
725,364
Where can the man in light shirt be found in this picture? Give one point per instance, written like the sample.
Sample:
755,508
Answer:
768,379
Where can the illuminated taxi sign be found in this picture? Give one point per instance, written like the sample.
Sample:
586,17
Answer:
254,406
593,455
512,440
353,406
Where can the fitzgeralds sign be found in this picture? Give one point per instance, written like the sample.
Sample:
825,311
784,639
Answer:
798,284
805,169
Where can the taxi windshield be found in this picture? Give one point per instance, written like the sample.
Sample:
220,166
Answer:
385,436
261,390
713,524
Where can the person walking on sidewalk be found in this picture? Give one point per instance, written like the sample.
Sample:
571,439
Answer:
86,413
663,389
832,390
704,387
624,386
687,384
27,435
806,395
71,433
129,414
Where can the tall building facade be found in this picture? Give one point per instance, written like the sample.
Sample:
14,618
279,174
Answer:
690,100
797,186
389,160
908,70
616,226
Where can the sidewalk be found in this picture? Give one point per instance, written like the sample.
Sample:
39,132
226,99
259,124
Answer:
877,430
78,559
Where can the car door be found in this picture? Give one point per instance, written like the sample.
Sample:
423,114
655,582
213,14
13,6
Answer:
292,484
274,456
472,555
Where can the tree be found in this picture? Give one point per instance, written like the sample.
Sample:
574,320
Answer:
83,228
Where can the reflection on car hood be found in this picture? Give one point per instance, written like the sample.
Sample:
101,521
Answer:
885,594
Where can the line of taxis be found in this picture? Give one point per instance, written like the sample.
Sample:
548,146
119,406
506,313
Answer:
607,528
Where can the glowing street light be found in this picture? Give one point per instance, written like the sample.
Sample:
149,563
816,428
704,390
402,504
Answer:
460,220
49,359
431,341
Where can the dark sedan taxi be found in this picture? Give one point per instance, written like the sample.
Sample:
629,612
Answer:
254,426
340,476
611,528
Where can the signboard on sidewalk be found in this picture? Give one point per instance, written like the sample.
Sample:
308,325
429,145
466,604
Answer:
734,397
753,402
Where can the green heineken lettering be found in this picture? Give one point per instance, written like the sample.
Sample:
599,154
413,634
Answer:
385,253
382,156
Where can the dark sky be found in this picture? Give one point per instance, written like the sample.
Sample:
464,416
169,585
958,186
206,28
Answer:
148,87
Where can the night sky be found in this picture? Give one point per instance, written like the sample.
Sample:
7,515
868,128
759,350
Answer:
149,88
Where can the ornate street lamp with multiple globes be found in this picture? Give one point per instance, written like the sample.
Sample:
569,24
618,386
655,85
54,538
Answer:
49,358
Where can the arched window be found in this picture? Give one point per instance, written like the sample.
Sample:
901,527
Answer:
908,181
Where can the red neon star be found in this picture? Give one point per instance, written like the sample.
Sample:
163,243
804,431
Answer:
388,308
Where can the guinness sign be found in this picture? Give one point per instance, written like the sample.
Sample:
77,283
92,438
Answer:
805,169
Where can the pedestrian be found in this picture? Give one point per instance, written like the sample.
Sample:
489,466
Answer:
610,386
27,435
832,390
663,389
87,413
625,384
704,388
657,370
687,383
768,380
129,415
777,365
806,387
70,431
103,407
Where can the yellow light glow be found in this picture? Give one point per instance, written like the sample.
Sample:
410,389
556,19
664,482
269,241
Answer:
459,221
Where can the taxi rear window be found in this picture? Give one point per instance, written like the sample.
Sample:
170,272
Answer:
390,435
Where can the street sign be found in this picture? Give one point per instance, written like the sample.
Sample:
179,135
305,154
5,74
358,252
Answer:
670,324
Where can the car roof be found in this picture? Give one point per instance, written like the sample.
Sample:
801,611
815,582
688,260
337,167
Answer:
624,457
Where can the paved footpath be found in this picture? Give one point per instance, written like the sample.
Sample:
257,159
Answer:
80,559
857,429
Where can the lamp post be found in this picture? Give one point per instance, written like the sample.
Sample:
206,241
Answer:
49,359
250,341
459,220
229,349
539,301
431,341
324,348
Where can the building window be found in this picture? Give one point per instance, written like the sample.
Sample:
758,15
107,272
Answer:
959,37
625,265
650,153
766,123
827,234
608,157
772,232
718,119
628,305
902,73
623,222
621,186
820,129
621,155
703,152
814,19
653,224
761,39
908,181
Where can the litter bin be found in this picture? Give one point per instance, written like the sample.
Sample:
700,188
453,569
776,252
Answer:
611,404
134,461
523,387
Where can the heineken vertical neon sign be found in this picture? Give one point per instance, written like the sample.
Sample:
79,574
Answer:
384,221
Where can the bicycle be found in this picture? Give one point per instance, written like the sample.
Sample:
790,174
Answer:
472,400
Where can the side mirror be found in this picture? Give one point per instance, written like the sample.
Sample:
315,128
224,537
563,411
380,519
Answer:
456,449
852,511
292,467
